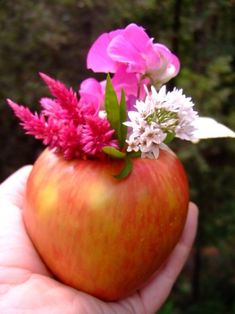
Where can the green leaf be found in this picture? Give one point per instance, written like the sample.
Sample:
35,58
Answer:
170,136
116,113
126,170
111,106
122,133
113,152
134,154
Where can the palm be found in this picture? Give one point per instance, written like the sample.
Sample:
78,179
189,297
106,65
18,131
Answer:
26,286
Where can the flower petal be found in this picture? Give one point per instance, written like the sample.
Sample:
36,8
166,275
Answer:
122,50
126,81
210,128
136,36
167,68
98,59
91,91
129,47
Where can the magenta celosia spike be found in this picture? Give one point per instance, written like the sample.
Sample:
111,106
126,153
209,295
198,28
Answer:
95,135
21,112
72,127
35,124
67,98
55,131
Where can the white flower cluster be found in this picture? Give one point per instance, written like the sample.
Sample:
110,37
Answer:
160,116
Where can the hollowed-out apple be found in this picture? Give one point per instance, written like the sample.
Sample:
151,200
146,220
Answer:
102,235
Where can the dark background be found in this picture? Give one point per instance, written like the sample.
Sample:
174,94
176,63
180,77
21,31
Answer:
54,37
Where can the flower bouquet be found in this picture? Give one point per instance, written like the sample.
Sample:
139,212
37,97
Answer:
107,200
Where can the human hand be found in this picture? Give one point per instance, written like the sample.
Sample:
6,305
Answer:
26,285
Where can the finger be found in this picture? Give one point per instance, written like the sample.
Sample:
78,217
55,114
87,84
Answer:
12,189
17,251
155,293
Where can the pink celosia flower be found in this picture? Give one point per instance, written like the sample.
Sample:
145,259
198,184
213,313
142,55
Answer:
67,124
70,141
66,98
95,135
36,124
133,47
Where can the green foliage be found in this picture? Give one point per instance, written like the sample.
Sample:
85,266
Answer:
116,115
126,170
111,106
123,117
213,86
169,138
113,152
116,112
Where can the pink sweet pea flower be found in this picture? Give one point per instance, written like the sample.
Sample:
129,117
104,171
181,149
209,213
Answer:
91,95
126,81
98,59
92,91
168,66
135,49
132,84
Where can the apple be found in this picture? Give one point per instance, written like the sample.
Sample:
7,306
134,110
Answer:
102,235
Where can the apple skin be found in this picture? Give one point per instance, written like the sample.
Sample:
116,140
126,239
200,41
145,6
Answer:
102,235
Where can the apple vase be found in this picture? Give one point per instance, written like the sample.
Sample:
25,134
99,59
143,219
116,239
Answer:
101,235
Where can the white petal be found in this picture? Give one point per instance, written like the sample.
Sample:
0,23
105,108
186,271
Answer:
129,124
209,128
134,116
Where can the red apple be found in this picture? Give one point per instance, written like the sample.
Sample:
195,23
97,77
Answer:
102,235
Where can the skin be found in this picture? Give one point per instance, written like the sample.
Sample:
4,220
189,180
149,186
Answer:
26,286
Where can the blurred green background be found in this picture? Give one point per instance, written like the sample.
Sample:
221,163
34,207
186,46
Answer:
54,37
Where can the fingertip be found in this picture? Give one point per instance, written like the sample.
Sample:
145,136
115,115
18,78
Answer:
21,172
25,170
13,187
193,207
191,224
193,213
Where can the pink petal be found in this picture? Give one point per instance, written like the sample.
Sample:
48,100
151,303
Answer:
124,80
66,97
136,36
91,90
162,64
92,97
174,67
98,59
169,58
153,60
131,47
131,83
122,51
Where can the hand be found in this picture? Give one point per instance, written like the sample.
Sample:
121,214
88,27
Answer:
26,286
